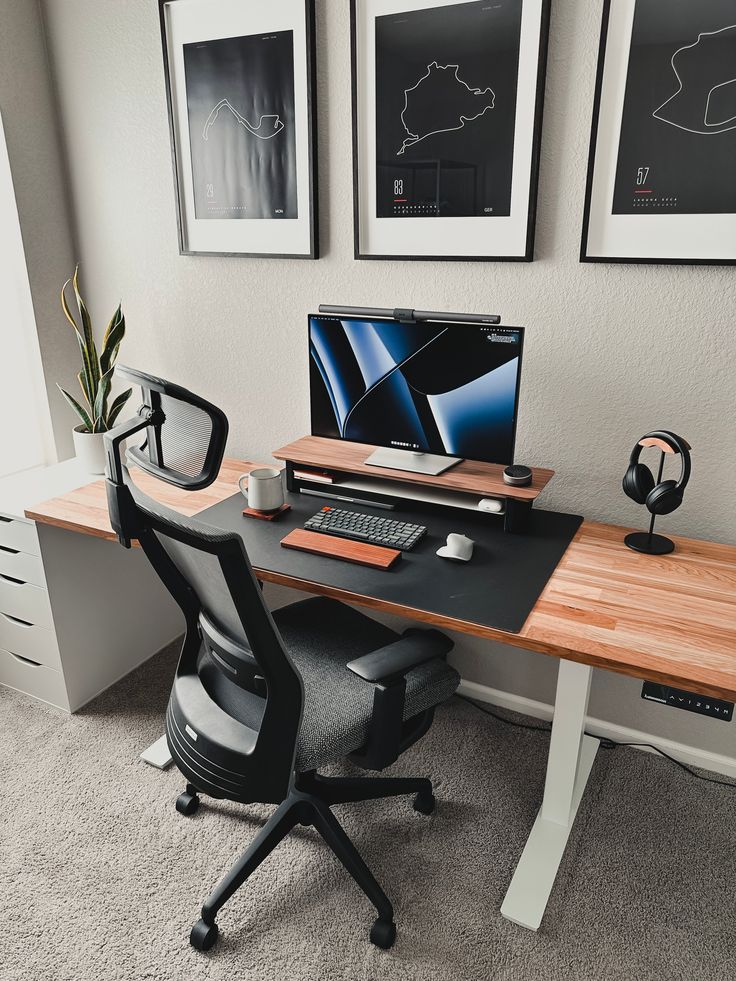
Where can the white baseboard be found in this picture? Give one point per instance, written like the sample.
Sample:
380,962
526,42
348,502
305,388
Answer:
691,755
124,674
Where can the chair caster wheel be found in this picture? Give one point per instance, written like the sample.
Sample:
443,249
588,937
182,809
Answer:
203,935
424,803
383,933
187,804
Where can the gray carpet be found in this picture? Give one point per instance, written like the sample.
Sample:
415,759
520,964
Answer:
101,879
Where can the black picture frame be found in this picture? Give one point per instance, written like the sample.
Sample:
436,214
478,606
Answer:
596,124
310,87
526,254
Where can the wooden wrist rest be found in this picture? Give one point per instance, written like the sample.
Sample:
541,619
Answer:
361,553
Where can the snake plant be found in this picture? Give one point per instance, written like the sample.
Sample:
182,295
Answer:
95,378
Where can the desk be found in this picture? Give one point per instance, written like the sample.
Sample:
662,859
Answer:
668,619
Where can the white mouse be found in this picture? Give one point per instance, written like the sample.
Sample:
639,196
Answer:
459,548
490,504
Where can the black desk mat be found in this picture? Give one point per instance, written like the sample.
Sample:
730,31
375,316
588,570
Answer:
497,588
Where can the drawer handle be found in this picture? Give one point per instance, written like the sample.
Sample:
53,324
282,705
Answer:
25,660
13,551
21,623
7,520
11,579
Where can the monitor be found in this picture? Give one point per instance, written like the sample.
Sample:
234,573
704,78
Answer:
429,388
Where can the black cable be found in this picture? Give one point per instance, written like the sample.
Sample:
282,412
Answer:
605,743
611,744
507,722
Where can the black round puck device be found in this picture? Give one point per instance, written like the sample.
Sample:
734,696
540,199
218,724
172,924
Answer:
517,476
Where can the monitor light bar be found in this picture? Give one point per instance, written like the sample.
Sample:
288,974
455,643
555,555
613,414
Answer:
410,316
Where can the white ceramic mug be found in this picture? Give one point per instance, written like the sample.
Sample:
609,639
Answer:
264,490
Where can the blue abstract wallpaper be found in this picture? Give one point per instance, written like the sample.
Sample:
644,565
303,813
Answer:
431,387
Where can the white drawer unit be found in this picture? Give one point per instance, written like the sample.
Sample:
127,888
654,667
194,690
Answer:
26,602
21,566
27,640
18,535
33,679
77,613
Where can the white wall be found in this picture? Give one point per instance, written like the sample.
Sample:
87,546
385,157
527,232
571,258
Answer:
612,351
21,373
30,122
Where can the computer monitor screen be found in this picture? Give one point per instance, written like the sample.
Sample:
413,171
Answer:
450,389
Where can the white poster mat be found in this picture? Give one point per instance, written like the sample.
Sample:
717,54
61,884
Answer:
647,236
190,21
476,236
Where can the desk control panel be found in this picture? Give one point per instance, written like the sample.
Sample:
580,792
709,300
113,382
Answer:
716,708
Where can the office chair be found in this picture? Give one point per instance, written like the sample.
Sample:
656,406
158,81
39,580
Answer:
263,701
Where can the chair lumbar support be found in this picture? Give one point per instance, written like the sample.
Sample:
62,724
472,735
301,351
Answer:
309,804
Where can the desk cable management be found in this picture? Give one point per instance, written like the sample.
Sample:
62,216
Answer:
605,742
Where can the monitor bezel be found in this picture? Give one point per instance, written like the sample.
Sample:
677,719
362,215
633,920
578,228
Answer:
459,325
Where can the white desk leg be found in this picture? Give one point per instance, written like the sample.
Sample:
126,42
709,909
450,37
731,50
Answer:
158,754
571,755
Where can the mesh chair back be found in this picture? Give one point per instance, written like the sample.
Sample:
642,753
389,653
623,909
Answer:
185,447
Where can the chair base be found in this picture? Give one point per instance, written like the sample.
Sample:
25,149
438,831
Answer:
309,804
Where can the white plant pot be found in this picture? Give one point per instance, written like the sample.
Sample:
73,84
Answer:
90,450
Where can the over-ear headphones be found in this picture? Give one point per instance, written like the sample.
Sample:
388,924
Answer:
639,483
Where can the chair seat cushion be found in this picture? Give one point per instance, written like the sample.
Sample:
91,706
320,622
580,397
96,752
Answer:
322,635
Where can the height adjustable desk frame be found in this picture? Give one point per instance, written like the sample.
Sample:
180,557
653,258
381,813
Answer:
569,763
669,619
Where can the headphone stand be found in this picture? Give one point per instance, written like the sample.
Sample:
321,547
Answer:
647,542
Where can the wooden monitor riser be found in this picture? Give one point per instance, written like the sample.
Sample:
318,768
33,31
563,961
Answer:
469,476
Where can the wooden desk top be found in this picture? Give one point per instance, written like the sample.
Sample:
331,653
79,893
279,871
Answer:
85,509
670,619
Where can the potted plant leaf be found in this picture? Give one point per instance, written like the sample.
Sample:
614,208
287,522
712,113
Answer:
96,413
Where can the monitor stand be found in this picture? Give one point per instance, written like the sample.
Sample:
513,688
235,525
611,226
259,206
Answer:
425,463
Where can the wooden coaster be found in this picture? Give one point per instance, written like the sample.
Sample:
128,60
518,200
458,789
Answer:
266,516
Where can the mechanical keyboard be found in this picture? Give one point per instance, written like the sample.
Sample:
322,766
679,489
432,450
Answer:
366,528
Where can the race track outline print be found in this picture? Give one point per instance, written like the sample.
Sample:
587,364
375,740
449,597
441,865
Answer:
261,131
708,128
432,72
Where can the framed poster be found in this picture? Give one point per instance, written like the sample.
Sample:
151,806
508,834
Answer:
447,116
240,89
662,168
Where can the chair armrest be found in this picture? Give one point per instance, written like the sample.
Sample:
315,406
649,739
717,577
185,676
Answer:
388,664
